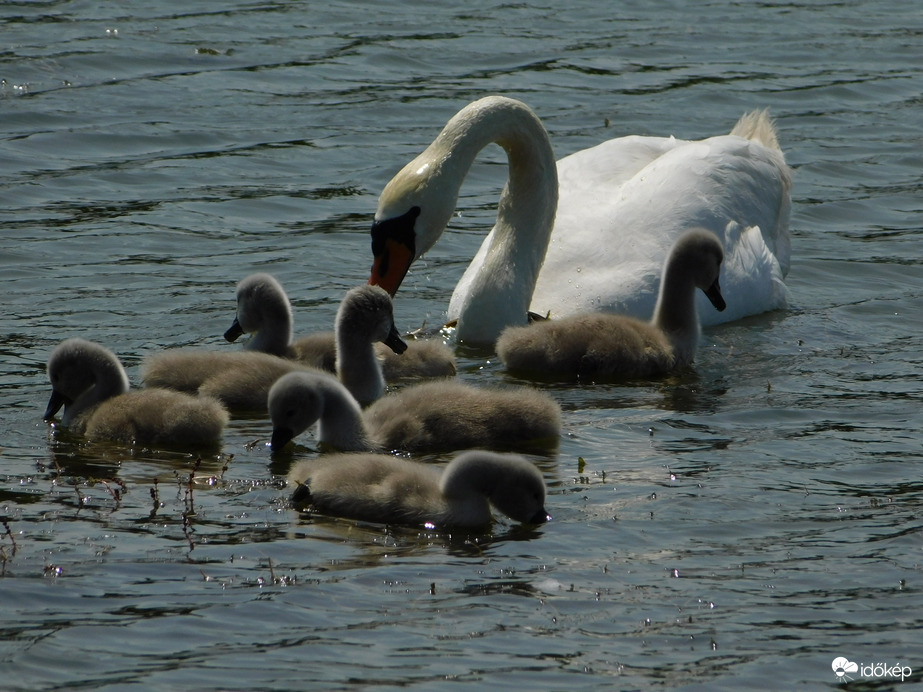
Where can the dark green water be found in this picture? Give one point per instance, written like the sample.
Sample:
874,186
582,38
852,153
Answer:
740,526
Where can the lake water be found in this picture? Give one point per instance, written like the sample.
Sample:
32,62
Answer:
738,527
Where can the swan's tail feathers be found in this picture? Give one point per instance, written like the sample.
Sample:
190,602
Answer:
758,126
755,281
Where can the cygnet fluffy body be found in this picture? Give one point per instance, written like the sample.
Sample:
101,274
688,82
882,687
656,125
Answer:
383,488
430,417
90,383
598,345
264,311
240,380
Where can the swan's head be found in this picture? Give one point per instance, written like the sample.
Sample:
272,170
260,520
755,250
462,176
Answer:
75,367
414,209
366,314
520,493
417,204
512,484
524,502
261,301
699,254
296,402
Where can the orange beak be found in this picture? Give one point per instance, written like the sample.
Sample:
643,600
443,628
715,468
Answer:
390,265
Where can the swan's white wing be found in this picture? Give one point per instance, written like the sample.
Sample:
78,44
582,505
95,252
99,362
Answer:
623,204
751,277
585,179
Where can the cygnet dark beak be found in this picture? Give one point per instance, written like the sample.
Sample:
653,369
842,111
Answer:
234,332
541,516
714,295
280,438
54,405
395,342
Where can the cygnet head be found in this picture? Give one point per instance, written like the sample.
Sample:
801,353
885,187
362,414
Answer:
366,315
512,484
524,499
262,304
698,254
75,367
294,406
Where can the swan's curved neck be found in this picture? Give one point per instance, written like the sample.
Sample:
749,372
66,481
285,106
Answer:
466,488
497,288
358,369
109,380
275,330
675,313
341,426
357,366
273,340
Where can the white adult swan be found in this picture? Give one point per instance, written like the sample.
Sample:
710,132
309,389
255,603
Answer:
382,488
88,380
597,345
622,206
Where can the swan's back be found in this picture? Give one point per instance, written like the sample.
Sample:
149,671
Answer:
240,379
369,487
422,360
383,488
158,417
587,347
626,201
446,416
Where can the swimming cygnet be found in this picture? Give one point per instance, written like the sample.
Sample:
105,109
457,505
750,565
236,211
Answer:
90,382
437,416
365,317
383,488
263,310
240,380
598,345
